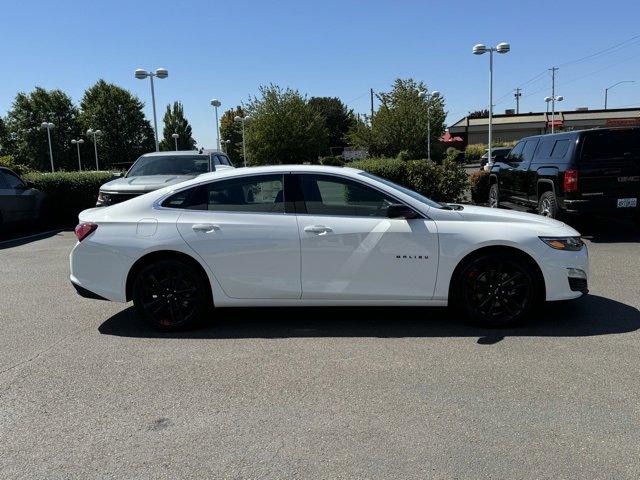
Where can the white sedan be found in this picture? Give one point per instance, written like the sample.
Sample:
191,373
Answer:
309,235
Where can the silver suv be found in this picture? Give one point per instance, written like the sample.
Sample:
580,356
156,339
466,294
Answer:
160,169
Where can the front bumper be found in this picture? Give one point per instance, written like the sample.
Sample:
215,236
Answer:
565,273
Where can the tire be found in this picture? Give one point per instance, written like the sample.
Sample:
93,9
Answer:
497,290
494,196
171,294
548,205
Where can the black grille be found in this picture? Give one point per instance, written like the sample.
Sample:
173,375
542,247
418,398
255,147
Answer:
121,197
578,285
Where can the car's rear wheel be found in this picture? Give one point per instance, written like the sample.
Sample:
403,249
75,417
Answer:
548,205
494,196
171,294
497,290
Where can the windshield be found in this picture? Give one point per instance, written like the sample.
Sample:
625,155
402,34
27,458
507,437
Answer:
411,193
170,165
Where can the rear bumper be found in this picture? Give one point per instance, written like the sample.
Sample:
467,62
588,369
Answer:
600,205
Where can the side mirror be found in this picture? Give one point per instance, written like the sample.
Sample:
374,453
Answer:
397,210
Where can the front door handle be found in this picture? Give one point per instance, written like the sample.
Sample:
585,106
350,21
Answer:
319,229
205,227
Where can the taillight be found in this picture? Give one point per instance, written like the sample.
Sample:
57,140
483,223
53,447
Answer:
570,183
84,229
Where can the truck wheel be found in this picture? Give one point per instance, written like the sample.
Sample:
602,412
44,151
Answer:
494,196
548,205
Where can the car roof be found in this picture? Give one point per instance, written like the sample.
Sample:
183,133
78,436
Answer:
181,153
265,170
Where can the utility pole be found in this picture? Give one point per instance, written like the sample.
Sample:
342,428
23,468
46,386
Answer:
372,106
518,94
553,96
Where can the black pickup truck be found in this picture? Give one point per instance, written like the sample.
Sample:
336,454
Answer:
586,171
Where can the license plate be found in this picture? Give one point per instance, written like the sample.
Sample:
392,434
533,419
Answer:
627,202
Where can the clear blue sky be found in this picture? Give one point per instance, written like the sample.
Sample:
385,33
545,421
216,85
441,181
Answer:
334,48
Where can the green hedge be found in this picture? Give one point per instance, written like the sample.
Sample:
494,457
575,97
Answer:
442,182
68,193
336,161
479,183
8,162
473,152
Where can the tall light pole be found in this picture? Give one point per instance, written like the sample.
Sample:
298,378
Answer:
95,133
161,73
48,126
226,145
175,139
480,49
77,143
553,101
243,120
429,96
606,90
216,103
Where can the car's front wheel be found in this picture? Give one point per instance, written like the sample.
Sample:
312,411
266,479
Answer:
171,294
497,290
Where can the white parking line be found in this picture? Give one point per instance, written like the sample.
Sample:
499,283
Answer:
19,239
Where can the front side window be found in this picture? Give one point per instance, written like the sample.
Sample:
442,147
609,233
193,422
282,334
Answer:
262,193
12,180
222,160
515,155
529,149
170,165
329,195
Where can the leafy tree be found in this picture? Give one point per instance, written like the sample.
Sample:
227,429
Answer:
231,130
400,124
479,113
4,138
28,144
283,128
338,119
175,122
126,133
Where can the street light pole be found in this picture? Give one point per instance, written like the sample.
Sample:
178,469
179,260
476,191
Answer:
77,143
429,97
553,101
242,120
48,126
175,139
95,133
480,49
160,73
216,103
606,90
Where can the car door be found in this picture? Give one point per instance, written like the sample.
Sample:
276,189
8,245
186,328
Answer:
520,171
240,228
351,250
17,202
506,177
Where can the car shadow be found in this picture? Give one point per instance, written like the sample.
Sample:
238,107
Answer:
18,237
591,315
606,229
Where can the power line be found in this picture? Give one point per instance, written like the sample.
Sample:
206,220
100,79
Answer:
601,52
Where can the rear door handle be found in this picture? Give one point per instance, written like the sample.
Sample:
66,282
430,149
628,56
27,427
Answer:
319,229
205,227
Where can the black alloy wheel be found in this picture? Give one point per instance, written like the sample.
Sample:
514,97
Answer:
498,290
170,294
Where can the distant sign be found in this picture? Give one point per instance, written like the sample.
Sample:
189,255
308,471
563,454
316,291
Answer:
622,122
555,123
354,154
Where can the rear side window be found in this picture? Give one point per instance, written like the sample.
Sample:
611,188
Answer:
12,180
260,193
223,160
560,149
610,144
515,155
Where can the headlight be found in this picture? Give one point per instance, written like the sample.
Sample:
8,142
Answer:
104,198
572,244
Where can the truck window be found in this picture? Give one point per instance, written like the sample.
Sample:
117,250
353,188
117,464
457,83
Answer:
560,149
610,145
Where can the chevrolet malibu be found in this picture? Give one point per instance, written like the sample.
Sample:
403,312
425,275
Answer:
321,236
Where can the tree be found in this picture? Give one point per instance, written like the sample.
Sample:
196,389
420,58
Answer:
231,130
175,122
479,113
338,119
126,133
28,144
283,128
4,138
400,124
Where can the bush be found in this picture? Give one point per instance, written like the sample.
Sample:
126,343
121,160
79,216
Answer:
473,152
479,182
8,162
332,161
68,193
442,182
404,155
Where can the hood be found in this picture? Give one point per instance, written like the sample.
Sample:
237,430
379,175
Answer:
146,183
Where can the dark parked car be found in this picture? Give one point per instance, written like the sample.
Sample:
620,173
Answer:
497,153
19,202
574,172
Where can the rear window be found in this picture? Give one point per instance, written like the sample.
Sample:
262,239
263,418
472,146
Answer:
610,145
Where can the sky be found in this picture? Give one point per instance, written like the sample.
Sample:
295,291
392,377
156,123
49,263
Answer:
226,50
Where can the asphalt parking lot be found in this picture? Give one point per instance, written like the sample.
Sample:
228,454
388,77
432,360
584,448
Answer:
88,391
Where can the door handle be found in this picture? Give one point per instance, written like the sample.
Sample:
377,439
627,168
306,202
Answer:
205,227
319,229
